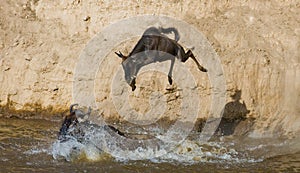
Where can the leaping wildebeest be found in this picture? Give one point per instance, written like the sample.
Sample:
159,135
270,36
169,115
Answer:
155,46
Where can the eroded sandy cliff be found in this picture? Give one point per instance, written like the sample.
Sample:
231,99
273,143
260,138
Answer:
257,41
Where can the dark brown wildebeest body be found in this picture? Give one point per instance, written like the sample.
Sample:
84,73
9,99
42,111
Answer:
69,121
154,47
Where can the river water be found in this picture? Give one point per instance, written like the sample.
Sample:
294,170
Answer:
32,146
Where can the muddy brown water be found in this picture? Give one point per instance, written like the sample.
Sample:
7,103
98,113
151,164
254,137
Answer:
27,146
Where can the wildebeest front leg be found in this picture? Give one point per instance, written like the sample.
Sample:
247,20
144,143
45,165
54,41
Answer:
171,70
190,54
132,84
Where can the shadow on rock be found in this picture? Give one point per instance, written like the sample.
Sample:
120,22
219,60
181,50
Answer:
234,120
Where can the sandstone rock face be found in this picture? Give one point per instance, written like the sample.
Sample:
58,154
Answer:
257,42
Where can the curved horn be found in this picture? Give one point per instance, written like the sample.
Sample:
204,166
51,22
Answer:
119,54
71,107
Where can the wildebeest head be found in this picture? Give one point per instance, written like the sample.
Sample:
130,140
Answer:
130,67
71,121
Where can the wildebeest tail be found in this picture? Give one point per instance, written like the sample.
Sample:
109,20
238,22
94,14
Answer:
169,30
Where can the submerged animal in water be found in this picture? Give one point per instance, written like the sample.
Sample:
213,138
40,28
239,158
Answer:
76,123
152,47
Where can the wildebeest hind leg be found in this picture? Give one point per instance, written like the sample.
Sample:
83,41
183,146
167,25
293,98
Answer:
190,54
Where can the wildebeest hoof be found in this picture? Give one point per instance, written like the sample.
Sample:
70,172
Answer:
203,69
133,87
170,80
132,84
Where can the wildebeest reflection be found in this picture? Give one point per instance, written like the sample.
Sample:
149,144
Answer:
154,46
